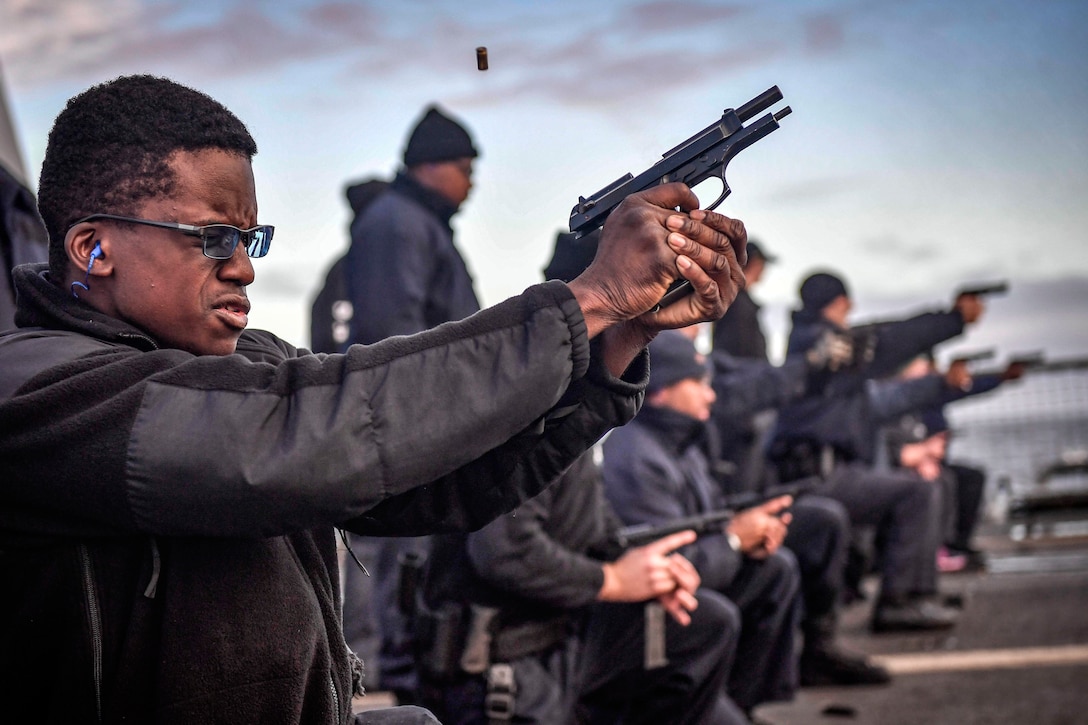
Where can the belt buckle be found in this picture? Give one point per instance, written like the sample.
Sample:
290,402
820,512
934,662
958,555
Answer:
499,701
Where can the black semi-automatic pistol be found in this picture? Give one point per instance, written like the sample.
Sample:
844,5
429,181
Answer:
702,156
982,290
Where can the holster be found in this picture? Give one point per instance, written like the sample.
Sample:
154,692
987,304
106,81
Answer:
440,639
459,639
521,640
801,458
476,656
409,575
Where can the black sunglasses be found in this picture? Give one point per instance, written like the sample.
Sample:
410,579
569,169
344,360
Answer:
220,240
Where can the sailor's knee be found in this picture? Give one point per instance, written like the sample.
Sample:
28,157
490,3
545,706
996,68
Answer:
718,611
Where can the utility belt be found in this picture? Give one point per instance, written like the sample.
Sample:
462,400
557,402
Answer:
804,458
456,640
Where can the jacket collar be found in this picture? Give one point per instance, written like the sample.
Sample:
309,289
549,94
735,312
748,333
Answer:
40,303
676,430
431,200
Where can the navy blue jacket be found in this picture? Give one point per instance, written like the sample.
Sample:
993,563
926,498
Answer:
841,414
655,471
404,274
927,418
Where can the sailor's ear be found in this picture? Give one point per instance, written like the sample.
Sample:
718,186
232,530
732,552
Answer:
88,250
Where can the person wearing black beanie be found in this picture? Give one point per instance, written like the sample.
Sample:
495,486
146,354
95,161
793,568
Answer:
825,295
404,274
820,289
836,434
437,137
656,470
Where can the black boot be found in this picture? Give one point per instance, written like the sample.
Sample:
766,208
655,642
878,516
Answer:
912,614
825,664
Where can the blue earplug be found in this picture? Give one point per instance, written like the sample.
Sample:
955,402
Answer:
95,254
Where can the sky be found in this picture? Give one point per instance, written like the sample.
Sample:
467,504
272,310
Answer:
931,145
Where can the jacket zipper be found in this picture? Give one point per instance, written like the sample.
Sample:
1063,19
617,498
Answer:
335,694
94,616
310,577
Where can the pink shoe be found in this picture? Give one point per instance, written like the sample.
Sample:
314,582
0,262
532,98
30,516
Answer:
948,563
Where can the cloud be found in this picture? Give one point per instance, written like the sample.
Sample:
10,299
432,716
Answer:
608,57
41,40
814,190
662,15
898,249
59,40
244,41
825,34
354,22
660,45
587,71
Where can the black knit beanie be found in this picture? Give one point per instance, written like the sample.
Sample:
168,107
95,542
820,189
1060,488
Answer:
437,137
673,358
819,289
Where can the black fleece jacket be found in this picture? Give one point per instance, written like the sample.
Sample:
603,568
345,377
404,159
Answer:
541,562
166,520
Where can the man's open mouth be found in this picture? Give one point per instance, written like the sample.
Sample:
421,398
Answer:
235,312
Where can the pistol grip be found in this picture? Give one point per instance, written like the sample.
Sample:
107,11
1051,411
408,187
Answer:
680,288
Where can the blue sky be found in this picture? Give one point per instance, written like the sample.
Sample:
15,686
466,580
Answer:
931,144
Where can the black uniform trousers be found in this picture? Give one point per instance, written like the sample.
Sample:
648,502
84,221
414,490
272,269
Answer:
970,488
766,591
906,513
600,677
819,536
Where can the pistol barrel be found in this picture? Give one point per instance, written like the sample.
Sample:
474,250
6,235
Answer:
760,103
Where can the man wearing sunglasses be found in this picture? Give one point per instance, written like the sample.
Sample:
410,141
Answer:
170,482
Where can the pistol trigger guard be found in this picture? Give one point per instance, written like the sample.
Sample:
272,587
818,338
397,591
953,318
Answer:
721,197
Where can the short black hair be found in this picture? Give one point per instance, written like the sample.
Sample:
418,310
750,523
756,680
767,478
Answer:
109,147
